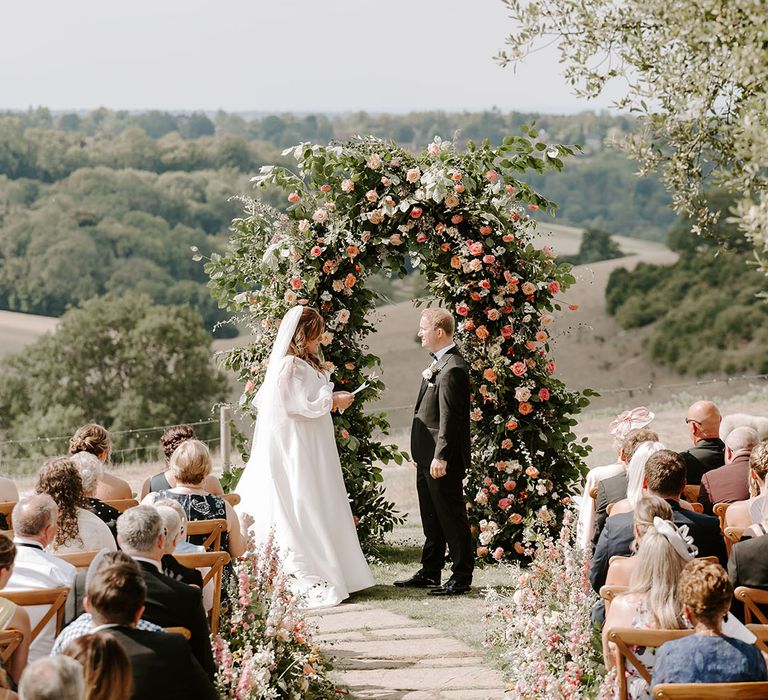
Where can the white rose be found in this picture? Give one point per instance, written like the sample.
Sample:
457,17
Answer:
374,161
413,175
320,215
303,225
522,393
433,149
343,316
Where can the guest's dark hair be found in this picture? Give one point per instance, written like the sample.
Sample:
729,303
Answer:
665,473
7,552
633,440
310,326
116,591
92,438
60,479
174,436
106,666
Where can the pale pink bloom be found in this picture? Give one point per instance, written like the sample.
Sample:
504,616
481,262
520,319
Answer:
372,196
413,175
528,288
347,186
374,161
451,201
320,215
304,225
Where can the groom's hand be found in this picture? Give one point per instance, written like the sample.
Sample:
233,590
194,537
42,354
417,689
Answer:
438,468
342,400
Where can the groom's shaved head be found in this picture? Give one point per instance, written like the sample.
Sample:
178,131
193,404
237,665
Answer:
440,318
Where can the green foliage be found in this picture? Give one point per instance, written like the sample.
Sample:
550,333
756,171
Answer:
120,361
462,217
705,310
596,245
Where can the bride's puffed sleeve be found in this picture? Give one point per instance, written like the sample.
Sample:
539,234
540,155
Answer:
302,392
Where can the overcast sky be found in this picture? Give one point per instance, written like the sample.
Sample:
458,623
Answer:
283,55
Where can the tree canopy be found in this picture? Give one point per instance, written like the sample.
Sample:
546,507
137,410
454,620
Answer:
696,73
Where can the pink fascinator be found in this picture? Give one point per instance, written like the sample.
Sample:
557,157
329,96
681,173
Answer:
630,420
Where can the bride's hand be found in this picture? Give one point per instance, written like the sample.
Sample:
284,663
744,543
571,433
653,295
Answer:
342,400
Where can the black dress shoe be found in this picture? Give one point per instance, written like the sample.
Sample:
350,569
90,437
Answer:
418,581
451,587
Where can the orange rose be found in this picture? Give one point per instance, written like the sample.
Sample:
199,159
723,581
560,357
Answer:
532,472
512,424
350,281
482,332
525,408
489,374
519,548
456,262
515,519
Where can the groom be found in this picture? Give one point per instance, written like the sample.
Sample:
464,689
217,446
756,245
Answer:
440,447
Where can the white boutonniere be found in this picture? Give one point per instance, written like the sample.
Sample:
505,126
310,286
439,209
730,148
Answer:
429,373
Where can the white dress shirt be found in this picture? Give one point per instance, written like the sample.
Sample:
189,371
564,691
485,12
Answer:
35,568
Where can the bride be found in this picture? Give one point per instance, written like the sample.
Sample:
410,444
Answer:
293,481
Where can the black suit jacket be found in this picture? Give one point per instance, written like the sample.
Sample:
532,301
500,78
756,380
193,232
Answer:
170,603
618,534
440,427
172,568
163,666
706,454
748,566
609,490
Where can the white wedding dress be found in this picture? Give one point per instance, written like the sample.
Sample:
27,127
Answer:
293,482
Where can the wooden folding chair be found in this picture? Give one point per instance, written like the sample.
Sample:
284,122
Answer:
719,509
733,535
122,504
80,560
697,507
183,631
608,593
761,632
215,562
55,597
691,493
752,598
9,642
6,508
626,637
214,529
711,691
232,498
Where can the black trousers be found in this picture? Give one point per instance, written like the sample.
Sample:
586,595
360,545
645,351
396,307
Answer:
444,521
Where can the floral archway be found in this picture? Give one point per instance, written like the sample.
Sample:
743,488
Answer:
463,218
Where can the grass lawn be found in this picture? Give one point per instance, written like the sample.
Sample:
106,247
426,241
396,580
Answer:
461,617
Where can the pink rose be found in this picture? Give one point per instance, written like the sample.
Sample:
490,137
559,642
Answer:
486,230
506,444
344,434
316,251
421,237
296,283
451,201
507,238
374,161
304,225
492,176
489,375
456,219
462,309
542,336
376,216
525,408
511,189
482,552
546,319
484,284
519,369
294,198
250,385
459,188
532,472
498,554
416,212
396,239
325,188
342,316
550,367
528,288
505,503
320,215
386,181
532,207
433,149
506,332
476,248
347,186
554,286
573,307
489,259
544,394
372,196
515,519
493,314
290,296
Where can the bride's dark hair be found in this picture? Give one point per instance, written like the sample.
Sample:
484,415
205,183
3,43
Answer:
310,327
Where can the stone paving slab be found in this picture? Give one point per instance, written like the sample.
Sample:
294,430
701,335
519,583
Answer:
379,655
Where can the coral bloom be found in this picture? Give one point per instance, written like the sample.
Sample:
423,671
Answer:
316,251
528,288
482,552
456,262
490,375
296,283
476,248
506,332
532,472
462,309
352,251
482,332
498,554
525,408
519,369
347,186
554,286
294,198
350,280
515,519
416,212
511,424
510,485
544,394
542,336
325,188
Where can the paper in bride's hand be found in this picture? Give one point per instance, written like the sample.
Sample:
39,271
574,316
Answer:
364,385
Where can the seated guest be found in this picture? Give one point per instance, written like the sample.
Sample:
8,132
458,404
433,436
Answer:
169,603
92,472
648,508
162,664
95,439
35,525
105,665
635,477
171,567
170,440
730,482
79,530
651,601
191,464
708,655
182,546
84,624
750,512
11,615
708,451
53,678
614,488
664,477
619,429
